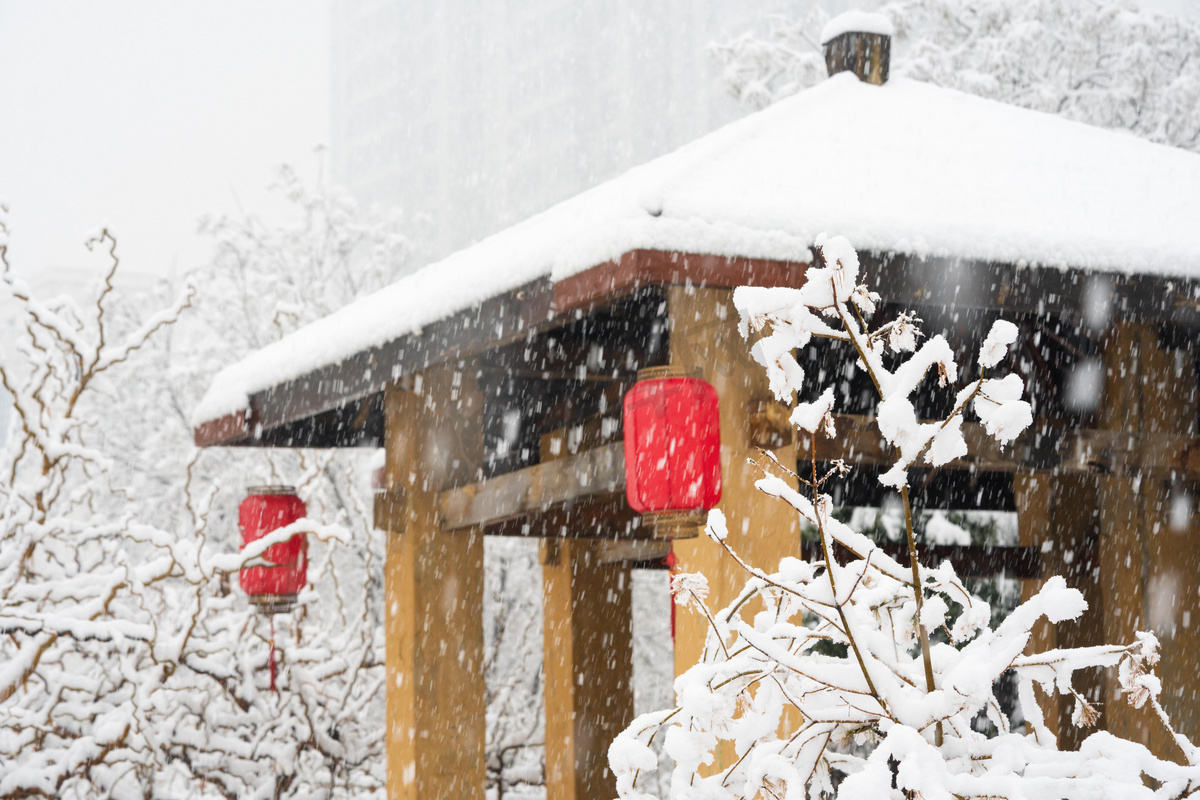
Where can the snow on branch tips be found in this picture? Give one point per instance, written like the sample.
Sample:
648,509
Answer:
128,667
865,677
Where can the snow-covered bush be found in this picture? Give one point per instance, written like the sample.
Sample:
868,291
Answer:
1105,63
322,728
83,651
129,666
820,677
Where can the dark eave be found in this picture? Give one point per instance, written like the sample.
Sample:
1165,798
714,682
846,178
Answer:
336,397
331,406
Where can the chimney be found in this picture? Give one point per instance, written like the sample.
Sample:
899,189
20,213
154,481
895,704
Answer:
858,42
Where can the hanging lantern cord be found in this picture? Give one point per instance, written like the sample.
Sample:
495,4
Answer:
271,658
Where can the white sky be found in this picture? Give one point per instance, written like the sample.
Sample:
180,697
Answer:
146,115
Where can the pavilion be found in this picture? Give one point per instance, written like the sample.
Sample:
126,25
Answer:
963,210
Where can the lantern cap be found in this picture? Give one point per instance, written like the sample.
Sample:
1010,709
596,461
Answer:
673,525
273,603
271,489
669,371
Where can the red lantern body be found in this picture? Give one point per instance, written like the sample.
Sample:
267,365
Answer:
672,445
267,509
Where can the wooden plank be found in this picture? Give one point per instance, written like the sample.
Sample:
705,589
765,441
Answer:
230,429
534,489
603,516
1064,450
609,552
390,510
644,267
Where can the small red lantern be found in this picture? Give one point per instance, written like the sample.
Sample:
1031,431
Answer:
268,508
672,445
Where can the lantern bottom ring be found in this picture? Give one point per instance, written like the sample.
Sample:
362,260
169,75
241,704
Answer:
676,524
273,603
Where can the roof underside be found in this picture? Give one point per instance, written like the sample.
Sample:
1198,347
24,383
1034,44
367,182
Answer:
339,405
924,175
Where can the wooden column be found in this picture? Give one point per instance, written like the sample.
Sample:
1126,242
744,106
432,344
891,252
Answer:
1151,571
433,592
589,666
1035,518
1060,515
704,336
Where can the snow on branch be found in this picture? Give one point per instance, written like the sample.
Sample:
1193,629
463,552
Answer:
128,665
835,683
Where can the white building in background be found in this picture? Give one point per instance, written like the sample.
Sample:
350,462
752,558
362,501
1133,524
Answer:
473,115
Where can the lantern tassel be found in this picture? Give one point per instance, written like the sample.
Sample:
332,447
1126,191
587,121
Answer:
670,561
271,658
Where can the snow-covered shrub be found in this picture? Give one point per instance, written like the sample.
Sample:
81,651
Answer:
820,677
129,666
80,653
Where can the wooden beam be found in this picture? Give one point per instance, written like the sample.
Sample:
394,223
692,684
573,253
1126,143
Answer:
1034,500
1064,450
858,441
390,510
583,494
644,267
968,561
963,284
535,489
608,552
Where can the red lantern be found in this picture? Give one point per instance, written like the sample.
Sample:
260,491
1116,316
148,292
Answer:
266,509
672,445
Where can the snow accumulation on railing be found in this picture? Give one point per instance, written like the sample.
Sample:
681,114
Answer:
904,168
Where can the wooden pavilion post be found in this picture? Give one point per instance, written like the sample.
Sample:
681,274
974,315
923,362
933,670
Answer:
1059,514
588,663
433,591
704,337
1150,566
1035,518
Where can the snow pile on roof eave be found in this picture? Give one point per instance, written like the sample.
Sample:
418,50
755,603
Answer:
591,228
402,308
424,297
905,167
694,236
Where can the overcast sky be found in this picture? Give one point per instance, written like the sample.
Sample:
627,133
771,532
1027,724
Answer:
149,114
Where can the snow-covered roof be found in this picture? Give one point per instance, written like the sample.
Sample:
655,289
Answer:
905,167
856,21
